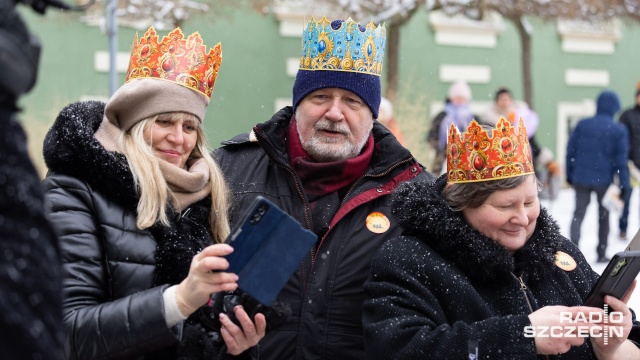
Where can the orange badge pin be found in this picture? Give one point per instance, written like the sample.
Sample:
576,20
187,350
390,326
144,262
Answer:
564,261
378,223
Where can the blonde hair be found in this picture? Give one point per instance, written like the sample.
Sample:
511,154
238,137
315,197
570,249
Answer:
152,186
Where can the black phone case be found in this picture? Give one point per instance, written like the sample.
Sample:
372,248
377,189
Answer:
616,278
268,246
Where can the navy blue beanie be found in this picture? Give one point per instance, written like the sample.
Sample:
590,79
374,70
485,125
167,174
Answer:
366,86
361,82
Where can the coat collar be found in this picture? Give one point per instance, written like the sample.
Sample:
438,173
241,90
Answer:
423,213
70,148
273,136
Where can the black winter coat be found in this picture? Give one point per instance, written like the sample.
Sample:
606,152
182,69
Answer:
443,284
631,119
30,269
113,304
325,293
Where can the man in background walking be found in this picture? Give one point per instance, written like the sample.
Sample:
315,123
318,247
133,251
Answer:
630,118
598,149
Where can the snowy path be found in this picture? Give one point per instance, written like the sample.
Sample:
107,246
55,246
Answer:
562,210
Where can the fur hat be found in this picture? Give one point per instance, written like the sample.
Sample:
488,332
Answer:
341,54
461,89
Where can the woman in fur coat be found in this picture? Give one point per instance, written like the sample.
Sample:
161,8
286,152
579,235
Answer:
481,269
140,208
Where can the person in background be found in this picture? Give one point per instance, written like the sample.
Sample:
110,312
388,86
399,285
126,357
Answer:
481,268
385,117
549,174
546,168
331,166
141,210
457,111
630,118
598,149
505,106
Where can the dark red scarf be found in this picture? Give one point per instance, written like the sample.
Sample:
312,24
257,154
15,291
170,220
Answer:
321,178
325,183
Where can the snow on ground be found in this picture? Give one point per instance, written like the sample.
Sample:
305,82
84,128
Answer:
562,210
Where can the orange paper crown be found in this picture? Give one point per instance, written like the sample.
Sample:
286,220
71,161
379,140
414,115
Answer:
176,59
475,156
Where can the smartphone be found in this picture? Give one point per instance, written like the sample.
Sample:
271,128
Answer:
268,246
616,279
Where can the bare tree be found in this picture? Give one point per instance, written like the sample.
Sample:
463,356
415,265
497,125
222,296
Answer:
517,11
165,14
140,14
397,12
394,13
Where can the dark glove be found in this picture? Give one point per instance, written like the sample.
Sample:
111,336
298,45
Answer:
569,181
224,302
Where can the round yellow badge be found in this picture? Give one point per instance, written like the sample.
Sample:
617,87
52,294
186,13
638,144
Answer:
377,222
564,261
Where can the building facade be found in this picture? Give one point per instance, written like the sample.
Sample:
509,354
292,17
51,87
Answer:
571,64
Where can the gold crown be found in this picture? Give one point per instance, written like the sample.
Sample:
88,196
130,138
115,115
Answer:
475,156
343,45
176,59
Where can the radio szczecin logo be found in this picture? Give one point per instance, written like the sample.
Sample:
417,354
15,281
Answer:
570,329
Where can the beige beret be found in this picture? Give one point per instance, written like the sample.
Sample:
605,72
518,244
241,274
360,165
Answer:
139,99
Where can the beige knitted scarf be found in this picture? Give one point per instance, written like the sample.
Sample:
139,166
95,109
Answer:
187,185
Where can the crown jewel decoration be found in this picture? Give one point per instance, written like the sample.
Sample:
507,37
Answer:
475,156
343,46
183,61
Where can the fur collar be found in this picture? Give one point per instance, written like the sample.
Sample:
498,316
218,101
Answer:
423,213
70,148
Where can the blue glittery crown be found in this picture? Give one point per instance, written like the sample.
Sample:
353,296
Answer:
343,46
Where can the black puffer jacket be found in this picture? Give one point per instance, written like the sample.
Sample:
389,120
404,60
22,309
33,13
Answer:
325,293
113,284
443,284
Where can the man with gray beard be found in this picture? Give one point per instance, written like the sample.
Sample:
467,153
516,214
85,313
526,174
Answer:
329,164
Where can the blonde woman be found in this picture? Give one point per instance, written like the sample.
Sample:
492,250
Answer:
140,208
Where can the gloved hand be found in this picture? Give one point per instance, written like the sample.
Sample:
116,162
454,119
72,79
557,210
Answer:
224,302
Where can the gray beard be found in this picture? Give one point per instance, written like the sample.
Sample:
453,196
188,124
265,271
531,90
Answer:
323,149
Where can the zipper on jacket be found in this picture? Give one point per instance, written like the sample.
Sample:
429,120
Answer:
307,216
185,213
178,216
523,287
